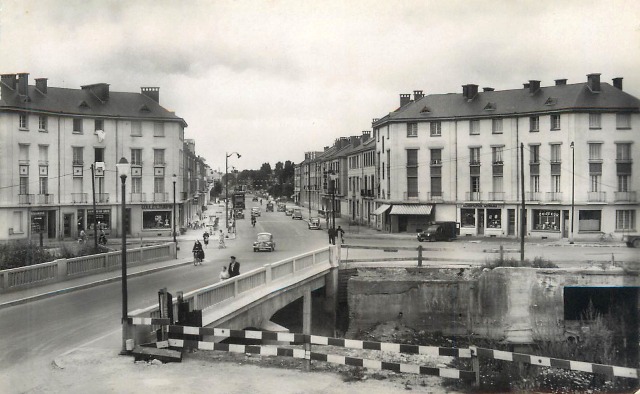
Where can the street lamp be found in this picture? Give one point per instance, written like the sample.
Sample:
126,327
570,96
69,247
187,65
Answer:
226,186
573,185
173,222
123,169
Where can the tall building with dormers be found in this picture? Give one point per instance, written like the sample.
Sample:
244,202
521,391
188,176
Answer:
50,138
456,157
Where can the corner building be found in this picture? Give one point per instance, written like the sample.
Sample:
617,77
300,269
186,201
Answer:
456,157
51,137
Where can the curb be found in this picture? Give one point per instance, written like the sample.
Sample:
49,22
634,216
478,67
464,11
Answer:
88,285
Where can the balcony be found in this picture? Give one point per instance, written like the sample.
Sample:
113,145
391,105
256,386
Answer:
625,196
26,199
411,196
597,196
79,198
102,197
474,196
434,196
496,196
366,193
160,197
137,197
554,196
532,196
44,198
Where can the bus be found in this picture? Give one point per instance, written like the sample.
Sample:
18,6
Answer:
238,200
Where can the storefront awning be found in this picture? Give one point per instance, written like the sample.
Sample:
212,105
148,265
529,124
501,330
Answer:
411,209
381,209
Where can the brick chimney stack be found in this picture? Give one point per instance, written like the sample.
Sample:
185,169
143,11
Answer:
561,82
417,95
41,85
152,92
593,81
469,91
405,99
100,90
23,84
617,83
534,86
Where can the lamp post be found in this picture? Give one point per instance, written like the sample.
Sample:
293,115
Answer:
123,169
573,185
226,186
173,222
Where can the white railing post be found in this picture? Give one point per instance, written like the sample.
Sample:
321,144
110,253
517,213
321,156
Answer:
267,270
195,302
235,287
61,272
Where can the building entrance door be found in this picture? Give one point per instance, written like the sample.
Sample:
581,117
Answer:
51,224
67,222
480,221
511,222
565,224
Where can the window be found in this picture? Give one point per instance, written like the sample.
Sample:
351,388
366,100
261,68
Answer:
412,129
158,129
534,183
412,173
497,184
44,185
158,157
595,121
496,154
623,121
156,219
78,153
136,185
625,220
595,151
594,183
42,123
98,154
436,128
546,220
77,126
468,217
589,220
623,151
436,186
534,124
474,156
158,185
23,122
555,122
555,184
99,124
494,218
136,128
534,154
555,153
496,126
24,185
623,183
17,222
43,154
136,157
23,153
474,184
436,156
474,127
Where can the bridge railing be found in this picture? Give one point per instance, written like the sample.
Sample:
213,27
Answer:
64,269
261,277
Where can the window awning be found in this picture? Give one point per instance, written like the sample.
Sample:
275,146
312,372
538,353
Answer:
411,209
381,209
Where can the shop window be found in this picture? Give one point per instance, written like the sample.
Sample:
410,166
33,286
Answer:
468,217
152,220
494,218
546,220
589,220
103,219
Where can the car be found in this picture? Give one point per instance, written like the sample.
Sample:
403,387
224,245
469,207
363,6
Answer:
254,198
255,211
289,211
264,241
270,206
239,213
632,240
439,231
296,214
314,224
282,207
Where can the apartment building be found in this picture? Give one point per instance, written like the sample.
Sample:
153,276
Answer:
456,157
361,179
59,144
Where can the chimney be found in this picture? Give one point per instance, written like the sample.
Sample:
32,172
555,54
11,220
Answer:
488,89
9,80
366,134
325,148
525,85
469,91
417,95
152,92
405,99
593,81
375,120
100,90
355,140
534,86
23,84
561,82
41,85
617,83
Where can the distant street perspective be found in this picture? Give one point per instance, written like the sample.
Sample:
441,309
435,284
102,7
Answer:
342,197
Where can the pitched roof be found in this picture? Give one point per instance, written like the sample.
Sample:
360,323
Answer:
83,102
572,97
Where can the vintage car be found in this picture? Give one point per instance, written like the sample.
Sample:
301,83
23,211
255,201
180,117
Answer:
297,214
282,207
269,206
255,198
239,214
314,224
255,211
264,241
289,211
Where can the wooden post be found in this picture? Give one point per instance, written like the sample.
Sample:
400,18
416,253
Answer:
306,327
419,255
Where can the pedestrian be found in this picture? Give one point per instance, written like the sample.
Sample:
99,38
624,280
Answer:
205,238
83,236
224,274
332,235
234,267
340,231
221,244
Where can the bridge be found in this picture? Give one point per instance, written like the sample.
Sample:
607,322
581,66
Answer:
252,298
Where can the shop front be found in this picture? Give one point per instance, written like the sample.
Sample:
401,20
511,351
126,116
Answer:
157,218
482,219
85,220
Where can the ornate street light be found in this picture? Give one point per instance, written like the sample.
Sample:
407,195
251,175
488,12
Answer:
124,169
226,187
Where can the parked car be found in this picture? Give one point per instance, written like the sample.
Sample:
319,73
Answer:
281,207
632,240
255,211
289,211
439,231
314,224
239,214
297,214
270,206
264,241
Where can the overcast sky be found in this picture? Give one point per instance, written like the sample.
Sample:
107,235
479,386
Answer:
273,79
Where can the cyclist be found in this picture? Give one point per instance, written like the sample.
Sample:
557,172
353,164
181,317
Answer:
253,220
197,253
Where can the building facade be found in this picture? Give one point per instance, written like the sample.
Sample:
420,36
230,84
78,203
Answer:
58,145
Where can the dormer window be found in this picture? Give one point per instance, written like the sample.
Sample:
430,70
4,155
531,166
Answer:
425,110
83,104
144,108
551,101
490,107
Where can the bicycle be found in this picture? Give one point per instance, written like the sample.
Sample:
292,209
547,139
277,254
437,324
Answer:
197,260
606,237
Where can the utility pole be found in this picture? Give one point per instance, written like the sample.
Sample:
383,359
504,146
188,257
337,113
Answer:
522,213
95,219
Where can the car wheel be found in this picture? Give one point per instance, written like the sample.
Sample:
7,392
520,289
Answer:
255,250
636,243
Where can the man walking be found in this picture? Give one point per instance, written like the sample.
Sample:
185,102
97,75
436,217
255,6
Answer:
340,231
332,235
234,267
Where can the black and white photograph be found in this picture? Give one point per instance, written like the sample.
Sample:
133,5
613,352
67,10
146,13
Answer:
285,196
